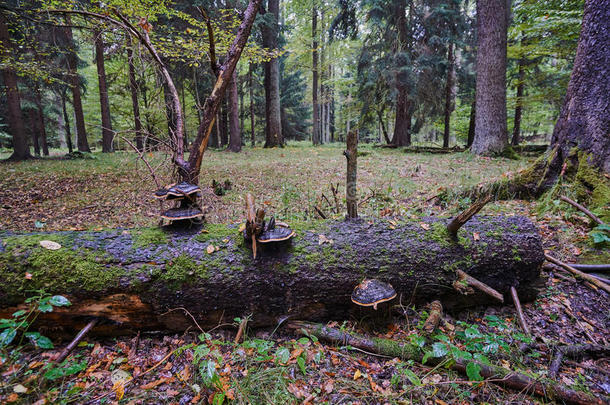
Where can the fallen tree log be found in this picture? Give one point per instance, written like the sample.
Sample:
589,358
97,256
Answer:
136,279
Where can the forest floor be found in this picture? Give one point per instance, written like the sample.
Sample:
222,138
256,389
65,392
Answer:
276,366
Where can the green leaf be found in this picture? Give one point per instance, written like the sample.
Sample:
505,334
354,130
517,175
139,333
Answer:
472,333
59,301
7,323
439,349
301,363
303,340
38,340
282,355
45,308
427,355
481,358
412,377
473,371
19,313
7,336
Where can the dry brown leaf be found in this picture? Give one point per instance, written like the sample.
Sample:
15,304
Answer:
424,225
49,244
357,374
476,236
210,249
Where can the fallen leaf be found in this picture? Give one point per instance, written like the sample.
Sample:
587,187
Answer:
329,386
210,249
20,389
323,239
49,244
424,225
242,227
28,276
12,398
357,374
476,236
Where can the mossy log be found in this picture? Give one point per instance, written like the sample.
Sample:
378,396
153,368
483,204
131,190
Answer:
147,279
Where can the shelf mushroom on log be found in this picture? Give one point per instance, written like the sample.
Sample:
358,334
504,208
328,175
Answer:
134,281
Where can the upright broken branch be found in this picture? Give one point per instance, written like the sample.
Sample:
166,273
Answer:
190,170
457,222
351,154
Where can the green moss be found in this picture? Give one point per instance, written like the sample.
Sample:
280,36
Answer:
182,268
593,187
148,236
438,233
391,348
54,270
510,153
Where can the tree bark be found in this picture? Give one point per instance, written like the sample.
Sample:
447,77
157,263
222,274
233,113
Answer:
472,123
21,150
133,87
273,120
251,94
584,122
107,132
402,126
314,70
234,132
74,79
66,120
448,96
42,129
134,279
491,134
33,118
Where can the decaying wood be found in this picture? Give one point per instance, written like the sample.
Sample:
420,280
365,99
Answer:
457,222
134,284
579,274
351,153
520,314
241,330
464,283
436,313
575,351
591,268
498,375
582,208
68,349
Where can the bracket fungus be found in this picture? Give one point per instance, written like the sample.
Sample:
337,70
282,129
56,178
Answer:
372,292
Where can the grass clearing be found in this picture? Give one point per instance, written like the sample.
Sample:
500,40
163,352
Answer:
115,190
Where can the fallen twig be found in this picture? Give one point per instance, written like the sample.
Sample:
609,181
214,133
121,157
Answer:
436,312
68,349
405,351
241,330
520,314
470,281
582,208
579,273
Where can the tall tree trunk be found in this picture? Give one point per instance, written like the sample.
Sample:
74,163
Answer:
133,87
234,133
21,150
66,120
519,104
584,122
251,94
42,130
81,133
61,126
382,126
33,118
314,70
491,133
448,96
224,124
402,135
273,120
170,112
242,109
472,123
107,132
